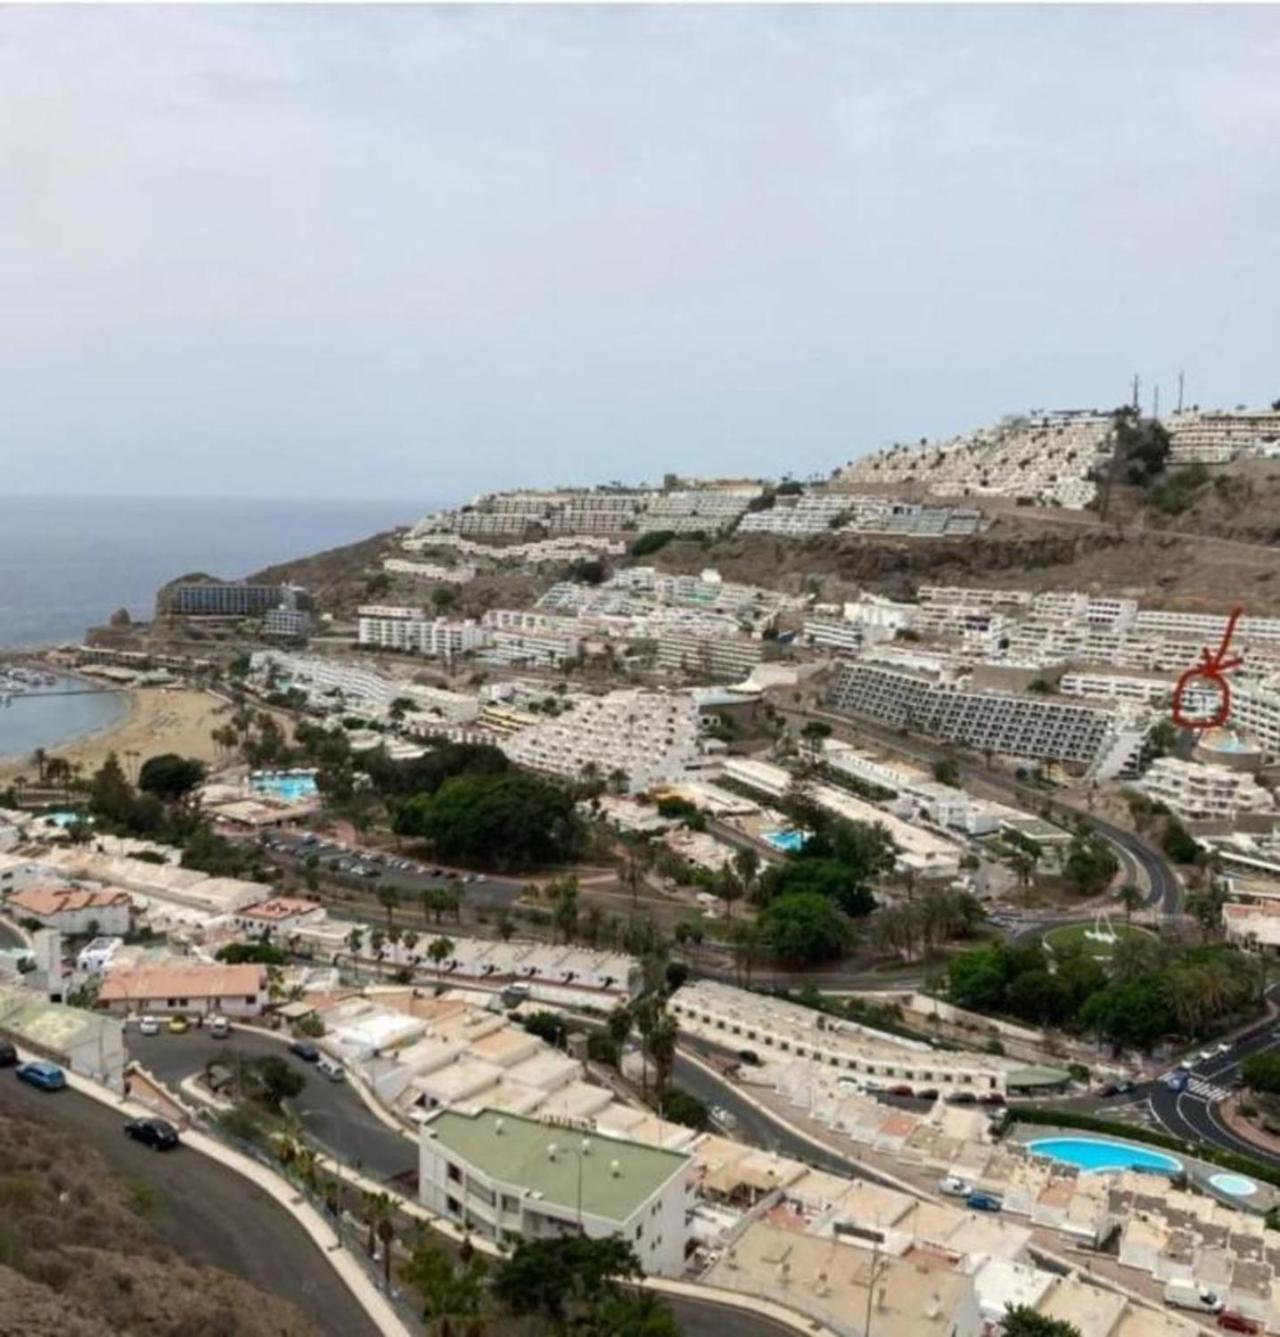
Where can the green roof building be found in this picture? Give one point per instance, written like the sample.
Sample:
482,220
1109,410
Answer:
506,1177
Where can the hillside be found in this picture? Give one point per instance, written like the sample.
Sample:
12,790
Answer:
79,1258
337,577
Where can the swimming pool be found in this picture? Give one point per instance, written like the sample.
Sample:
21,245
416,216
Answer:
66,819
1237,1185
1101,1154
291,786
788,841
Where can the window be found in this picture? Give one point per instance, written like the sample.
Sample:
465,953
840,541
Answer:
454,1172
640,1230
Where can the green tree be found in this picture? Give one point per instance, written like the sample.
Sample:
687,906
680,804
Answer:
564,1280
170,777
1178,843
111,796
452,1293
803,929
1023,1321
509,820
273,1081
439,950
682,1107
564,906
1261,1073
946,771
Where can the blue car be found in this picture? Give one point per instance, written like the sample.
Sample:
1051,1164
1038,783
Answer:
47,1076
983,1202
1178,1079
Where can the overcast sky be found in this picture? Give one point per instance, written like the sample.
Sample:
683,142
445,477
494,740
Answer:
415,252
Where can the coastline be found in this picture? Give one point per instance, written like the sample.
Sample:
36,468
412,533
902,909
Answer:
155,720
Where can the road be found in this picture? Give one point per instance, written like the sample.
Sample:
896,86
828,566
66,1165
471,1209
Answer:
1192,1114
334,1115
207,1213
1163,888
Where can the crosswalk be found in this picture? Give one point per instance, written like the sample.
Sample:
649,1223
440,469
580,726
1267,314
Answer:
1206,1090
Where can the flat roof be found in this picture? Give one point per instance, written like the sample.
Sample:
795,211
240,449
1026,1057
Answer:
515,1150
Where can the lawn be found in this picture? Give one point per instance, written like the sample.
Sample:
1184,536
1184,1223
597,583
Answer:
1070,934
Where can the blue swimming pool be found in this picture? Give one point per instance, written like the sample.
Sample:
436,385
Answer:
65,819
1101,1154
291,787
788,841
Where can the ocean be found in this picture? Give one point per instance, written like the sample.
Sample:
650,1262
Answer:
67,563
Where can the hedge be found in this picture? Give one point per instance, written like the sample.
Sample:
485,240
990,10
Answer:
1228,1160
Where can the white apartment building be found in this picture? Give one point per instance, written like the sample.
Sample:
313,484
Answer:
1196,791
506,1177
320,677
728,657
1043,457
833,633
531,649
412,630
1218,436
779,1030
454,575
647,736
810,513
1021,726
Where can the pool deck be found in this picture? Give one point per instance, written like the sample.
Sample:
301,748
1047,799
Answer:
1199,1173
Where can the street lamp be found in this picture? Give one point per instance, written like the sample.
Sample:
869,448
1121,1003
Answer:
579,1153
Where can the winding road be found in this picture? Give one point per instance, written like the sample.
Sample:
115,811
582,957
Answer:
207,1213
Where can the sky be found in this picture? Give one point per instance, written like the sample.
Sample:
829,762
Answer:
424,252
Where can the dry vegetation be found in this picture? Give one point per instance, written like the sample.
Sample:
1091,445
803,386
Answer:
78,1257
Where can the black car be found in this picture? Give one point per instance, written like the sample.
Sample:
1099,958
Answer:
305,1050
749,1056
962,1098
153,1133
8,1054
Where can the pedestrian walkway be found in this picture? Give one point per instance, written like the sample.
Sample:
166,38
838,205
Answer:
1207,1091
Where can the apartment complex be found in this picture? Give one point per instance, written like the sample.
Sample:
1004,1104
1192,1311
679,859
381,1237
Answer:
1044,457
870,1059
1037,727
1196,791
637,737
809,513
224,598
1219,436
411,630
506,1177
292,624
726,657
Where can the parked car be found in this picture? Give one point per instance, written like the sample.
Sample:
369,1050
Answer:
900,1089
1206,1054
149,1026
1234,1321
983,1202
927,1093
1223,1047
305,1050
962,1098
991,1098
954,1187
219,1028
8,1054
1108,1089
722,1116
749,1056
1178,1079
158,1134
47,1076
1126,1087
179,1025
332,1069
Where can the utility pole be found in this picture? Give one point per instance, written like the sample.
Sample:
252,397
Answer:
1137,389
1155,404
1181,378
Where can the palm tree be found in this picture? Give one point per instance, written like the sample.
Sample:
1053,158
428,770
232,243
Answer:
388,898
662,1047
746,864
439,950
1131,899
410,940
40,760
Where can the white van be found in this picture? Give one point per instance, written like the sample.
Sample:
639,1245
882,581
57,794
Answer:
149,1026
219,1028
1188,1295
332,1069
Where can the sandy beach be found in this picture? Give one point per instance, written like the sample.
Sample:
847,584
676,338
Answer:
158,720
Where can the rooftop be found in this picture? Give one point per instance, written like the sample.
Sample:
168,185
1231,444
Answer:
517,1151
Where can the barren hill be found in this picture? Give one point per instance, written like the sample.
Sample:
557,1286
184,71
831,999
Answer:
78,1257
